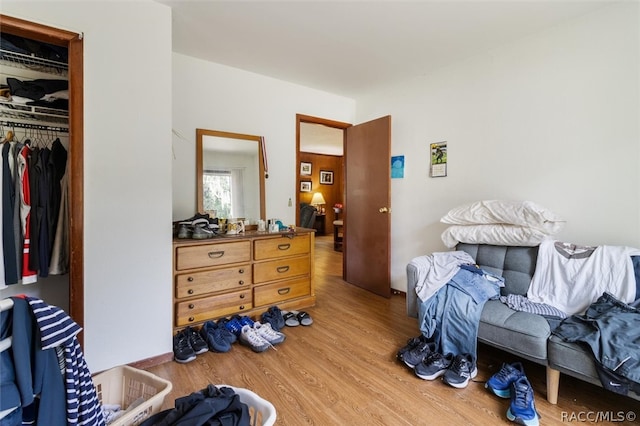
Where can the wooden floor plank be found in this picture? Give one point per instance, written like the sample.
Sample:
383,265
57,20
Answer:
342,370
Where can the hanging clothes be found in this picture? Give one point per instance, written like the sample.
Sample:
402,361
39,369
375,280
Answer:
29,276
8,237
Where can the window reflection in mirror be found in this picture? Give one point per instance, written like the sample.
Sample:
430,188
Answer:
230,175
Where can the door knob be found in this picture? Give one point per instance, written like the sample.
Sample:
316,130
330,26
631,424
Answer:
384,210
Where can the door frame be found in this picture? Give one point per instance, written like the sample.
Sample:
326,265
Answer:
74,43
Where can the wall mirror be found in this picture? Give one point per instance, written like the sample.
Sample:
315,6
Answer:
230,175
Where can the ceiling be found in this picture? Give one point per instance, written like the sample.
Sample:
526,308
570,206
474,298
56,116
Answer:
352,47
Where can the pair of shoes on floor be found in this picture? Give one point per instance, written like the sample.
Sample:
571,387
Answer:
187,344
260,336
274,317
411,343
456,370
511,382
235,323
217,336
295,318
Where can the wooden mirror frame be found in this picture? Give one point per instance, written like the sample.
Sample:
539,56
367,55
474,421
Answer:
200,133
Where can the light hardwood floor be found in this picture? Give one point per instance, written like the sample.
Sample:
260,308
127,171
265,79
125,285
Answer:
342,370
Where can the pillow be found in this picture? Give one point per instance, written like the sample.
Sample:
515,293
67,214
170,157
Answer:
497,235
520,213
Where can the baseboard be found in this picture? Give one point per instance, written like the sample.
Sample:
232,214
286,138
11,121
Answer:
143,364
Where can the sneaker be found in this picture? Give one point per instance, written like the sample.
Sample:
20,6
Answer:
462,369
411,343
229,335
202,233
250,337
522,409
196,341
434,366
243,320
182,350
198,218
418,354
184,231
212,334
276,314
268,333
233,325
500,383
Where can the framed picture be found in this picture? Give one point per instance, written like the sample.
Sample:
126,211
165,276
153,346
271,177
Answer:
305,169
326,177
305,186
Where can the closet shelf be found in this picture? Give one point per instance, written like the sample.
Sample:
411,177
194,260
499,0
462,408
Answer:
33,63
13,110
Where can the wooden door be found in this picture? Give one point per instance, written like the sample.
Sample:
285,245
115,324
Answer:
367,226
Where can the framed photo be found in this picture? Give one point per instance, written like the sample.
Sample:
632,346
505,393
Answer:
305,186
326,177
305,169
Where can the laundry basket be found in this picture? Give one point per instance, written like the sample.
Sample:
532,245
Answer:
128,386
262,412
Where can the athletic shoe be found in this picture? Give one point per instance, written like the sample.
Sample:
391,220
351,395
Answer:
411,343
184,231
500,383
250,337
462,369
202,232
182,350
434,366
243,320
212,334
268,333
233,325
198,218
418,354
522,409
276,314
227,334
196,341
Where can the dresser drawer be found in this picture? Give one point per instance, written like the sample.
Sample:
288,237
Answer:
198,283
212,307
273,248
270,294
281,269
200,256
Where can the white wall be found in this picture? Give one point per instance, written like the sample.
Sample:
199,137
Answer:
127,172
212,96
552,118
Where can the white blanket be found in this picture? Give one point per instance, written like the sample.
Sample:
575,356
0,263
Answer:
571,278
437,269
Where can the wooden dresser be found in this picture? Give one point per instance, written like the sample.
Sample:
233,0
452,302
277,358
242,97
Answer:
243,274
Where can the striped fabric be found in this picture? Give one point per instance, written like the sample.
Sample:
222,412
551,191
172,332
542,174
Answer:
57,329
521,303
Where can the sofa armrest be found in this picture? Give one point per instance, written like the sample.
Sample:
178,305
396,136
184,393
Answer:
412,297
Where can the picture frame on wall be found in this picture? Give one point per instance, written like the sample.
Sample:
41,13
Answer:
326,177
305,186
305,168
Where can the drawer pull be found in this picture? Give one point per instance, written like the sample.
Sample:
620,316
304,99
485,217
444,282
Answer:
284,246
216,254
241,307
240,282
191,306
191,319
241,271
242,296
190,291
190,279
283,291
282,269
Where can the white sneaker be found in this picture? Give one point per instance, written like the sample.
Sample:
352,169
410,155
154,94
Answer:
250,337
268,333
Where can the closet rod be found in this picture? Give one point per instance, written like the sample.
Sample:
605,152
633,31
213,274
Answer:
34,126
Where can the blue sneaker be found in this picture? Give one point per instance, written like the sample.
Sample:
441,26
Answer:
234,326
243,320
418,354
214,337
500,383
229,335
522,409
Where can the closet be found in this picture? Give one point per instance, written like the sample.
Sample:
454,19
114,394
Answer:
39,60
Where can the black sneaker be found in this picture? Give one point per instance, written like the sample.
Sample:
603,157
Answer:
196,219
462,369
196,341
434,366
202,232
215,337
182,350
411,343
418,354
276,316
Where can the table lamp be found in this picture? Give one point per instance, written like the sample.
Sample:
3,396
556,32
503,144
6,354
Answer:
318,201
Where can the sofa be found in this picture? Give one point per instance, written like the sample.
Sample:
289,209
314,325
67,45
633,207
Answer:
523,334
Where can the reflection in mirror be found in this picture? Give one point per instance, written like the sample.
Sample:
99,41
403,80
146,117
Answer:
230,175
